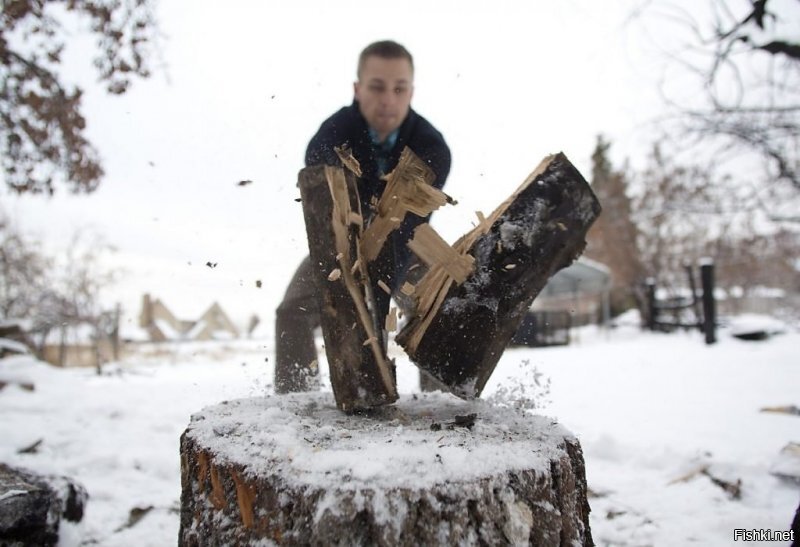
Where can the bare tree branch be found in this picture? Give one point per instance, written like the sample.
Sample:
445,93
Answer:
747,101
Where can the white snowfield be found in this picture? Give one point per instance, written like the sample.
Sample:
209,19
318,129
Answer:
660,418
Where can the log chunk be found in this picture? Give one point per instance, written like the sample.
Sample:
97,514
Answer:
361,375
460,330
430,470
33,507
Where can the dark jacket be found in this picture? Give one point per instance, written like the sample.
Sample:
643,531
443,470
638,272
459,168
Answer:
348,126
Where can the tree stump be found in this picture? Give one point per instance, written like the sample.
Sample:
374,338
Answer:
431,469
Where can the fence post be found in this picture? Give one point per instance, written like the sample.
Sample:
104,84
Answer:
651,303
709,305
696,307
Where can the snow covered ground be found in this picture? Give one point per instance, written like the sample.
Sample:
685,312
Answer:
651,410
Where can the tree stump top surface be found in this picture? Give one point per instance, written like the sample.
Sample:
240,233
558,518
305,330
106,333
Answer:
423,440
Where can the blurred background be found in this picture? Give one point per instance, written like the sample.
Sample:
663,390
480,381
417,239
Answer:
152,148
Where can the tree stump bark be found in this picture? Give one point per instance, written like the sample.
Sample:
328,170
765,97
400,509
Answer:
431,469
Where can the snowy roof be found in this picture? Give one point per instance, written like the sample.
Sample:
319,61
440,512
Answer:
13,346
9,322
584,275
167,329
75,333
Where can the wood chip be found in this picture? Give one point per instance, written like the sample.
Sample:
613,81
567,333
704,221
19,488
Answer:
407,289
335,274
408,189
369,340
356,219
429,246
34,448
385,287
510,266
348,160
391,320
792,410
686,477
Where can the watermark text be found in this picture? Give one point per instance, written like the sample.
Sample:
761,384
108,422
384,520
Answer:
740,534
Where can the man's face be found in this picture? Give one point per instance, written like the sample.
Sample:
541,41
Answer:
384,91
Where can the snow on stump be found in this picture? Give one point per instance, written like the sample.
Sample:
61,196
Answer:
431,469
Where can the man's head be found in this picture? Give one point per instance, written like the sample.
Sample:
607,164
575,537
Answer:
385,85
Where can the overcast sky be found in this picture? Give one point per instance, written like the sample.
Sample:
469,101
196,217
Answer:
245,84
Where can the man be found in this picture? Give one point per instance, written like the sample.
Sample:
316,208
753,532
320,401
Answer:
376,127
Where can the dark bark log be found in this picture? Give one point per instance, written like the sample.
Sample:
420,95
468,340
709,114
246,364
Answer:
361,375
246,480
461,330
32,506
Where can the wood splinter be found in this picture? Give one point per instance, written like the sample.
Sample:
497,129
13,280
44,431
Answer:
408,189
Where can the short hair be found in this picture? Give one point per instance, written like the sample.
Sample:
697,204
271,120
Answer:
385,49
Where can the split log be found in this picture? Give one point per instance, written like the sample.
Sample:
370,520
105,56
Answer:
431,470
361,375
345,244
460,330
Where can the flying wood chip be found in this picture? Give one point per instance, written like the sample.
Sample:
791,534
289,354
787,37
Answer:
348,160
409,189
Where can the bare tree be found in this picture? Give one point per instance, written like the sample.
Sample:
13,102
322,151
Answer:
757,261
42,129
22,270
55,294
684,213
744,61
677,210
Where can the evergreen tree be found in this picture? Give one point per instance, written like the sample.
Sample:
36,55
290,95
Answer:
612,239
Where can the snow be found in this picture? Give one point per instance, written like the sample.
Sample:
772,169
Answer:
752,322
648,409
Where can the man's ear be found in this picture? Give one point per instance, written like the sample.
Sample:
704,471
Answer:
355,90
